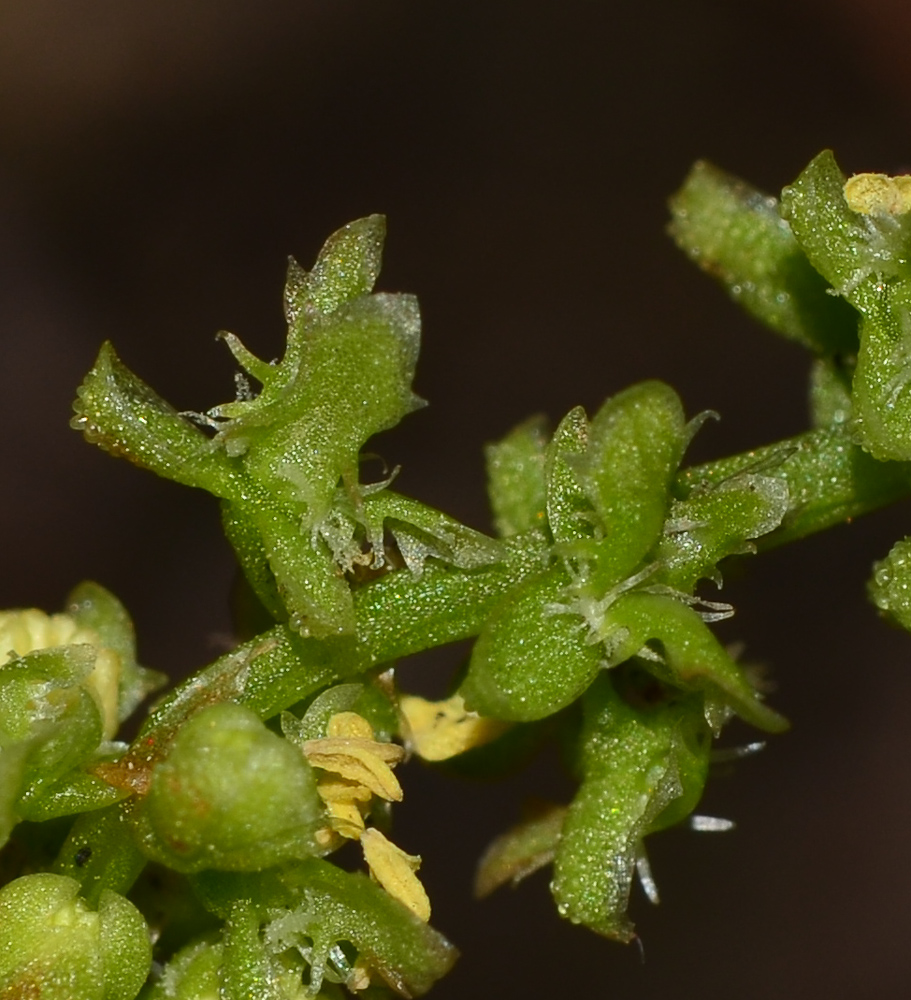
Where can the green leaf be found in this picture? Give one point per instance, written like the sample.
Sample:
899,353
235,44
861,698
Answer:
569,509
248,969
353,381
636,441
635,763
95,608
830,393
398,614
520,851
192,974
852,251
422,532
315,595
121,414
830,480
46,704
716,522
347,267
100,853
693,657
882,379
78,791
736,234
533,657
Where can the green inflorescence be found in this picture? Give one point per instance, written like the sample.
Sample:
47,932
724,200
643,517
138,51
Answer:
589,610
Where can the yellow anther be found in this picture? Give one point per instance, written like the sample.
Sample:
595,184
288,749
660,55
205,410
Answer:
346,820
26,631
360,761
335,789
394,870
878,194
391,753
348,724
441,729
357,767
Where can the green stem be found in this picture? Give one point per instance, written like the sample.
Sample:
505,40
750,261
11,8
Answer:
831,480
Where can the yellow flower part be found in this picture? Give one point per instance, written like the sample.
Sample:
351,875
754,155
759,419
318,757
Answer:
439,730
356,767
335,789
394,870
361,761
27,631
878,194
349,724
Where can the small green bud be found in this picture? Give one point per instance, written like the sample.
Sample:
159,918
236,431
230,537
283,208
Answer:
231,795
54,947
890,587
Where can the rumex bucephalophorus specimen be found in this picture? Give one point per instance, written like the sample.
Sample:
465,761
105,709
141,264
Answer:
585,608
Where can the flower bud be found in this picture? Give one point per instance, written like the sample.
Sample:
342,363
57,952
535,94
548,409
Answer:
54,946
231,795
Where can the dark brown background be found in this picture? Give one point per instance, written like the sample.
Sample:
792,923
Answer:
157,163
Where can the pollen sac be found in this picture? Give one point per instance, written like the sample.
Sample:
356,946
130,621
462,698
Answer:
230,794
54,946
636,763
853,251
878,194
395,872
439,730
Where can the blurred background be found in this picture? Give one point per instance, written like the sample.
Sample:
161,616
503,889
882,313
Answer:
158,161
